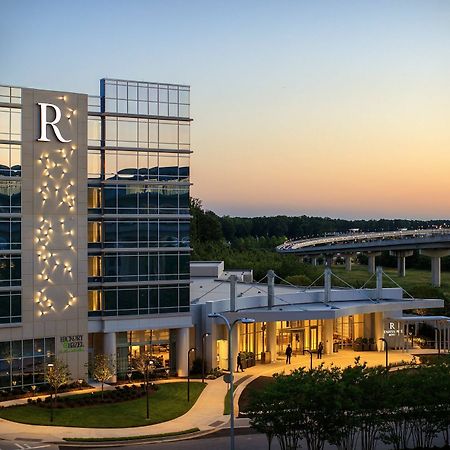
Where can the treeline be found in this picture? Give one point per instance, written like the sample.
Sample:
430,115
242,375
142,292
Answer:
249,242
211,227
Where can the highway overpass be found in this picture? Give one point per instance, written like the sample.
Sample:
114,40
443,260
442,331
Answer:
434,242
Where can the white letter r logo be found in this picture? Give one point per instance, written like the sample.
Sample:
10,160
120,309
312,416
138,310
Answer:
45,122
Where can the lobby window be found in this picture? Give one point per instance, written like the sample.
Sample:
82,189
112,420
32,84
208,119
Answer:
10,124
23,363
94,197
10,160
95,302
94,231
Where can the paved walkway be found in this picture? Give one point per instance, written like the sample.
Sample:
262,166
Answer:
206,414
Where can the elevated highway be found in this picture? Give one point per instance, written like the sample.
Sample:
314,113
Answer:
434,242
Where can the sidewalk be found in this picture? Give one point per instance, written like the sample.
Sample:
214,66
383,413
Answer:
207,412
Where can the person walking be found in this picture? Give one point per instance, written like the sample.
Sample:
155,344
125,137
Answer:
320,350
288,354
239,363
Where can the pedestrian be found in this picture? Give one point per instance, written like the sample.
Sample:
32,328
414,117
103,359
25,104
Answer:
288,354
320,351
239,363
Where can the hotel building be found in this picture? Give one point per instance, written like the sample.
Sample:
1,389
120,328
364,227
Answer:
94,248
94,227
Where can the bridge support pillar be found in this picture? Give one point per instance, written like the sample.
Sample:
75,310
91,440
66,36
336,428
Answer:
371,262
435,255
328,260
348,262
401,260
314,260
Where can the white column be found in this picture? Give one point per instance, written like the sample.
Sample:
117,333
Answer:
110,349
371,263
379,330
401,260
435,255
271,330
182,351
234,345
327,336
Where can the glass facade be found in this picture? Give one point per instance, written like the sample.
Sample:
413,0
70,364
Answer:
10,208
23,363
138,199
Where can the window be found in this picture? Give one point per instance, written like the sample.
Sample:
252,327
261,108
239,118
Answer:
10,307
23,363
94,266
10,160
94,164
10,124
94,231
132,97
141,300
10,95
94,131
95,300
10,238
94,197
10,270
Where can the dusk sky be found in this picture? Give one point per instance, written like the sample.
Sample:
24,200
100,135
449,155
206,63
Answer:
336,108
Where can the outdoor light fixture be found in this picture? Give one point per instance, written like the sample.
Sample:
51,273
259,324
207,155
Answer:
230,327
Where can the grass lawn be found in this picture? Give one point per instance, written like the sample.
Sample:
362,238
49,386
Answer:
414,278
168,402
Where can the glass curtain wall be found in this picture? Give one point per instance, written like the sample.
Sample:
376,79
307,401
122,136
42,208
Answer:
138,198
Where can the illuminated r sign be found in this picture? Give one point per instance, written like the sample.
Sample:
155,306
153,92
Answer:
45,123
391,326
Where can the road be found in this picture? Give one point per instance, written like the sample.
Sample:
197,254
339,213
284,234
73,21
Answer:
23,445
243,442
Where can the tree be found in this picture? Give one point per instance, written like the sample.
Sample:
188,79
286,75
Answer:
145,364
103,368
57,375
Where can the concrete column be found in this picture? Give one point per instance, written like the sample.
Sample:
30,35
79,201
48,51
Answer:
314,259
235,334
379,284
328,260
378,329
271,335
110,349
401,260
182,351
435,255
348,262
371,263
327,336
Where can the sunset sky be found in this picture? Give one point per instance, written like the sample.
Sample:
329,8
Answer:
336,108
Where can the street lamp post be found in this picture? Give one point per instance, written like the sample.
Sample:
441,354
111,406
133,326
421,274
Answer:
386,349
311,358
50,369
230,365
204,336
188,373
